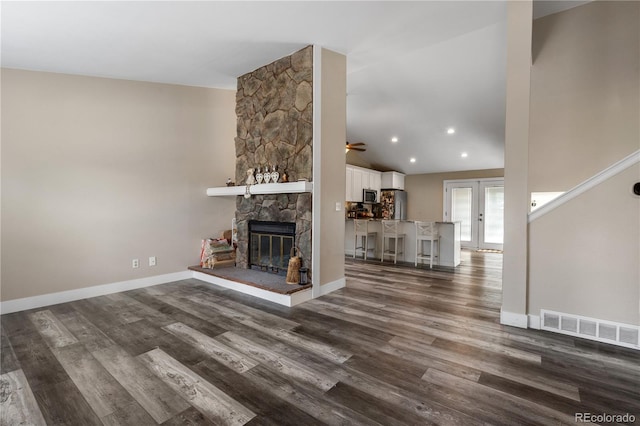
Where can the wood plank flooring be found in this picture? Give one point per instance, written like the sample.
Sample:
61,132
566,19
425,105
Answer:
398,345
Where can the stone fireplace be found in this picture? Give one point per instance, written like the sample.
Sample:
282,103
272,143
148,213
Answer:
274,109
271,245
291,114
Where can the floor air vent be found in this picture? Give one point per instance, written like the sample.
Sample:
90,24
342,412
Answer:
590,328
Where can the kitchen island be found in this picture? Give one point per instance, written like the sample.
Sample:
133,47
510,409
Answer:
449,241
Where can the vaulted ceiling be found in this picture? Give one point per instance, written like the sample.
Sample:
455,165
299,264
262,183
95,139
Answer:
415,69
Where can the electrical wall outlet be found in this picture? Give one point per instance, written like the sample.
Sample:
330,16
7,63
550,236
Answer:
135,263
152,261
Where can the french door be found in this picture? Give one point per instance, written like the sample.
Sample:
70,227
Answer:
479,206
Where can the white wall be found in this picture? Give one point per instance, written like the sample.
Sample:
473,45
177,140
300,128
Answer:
96,172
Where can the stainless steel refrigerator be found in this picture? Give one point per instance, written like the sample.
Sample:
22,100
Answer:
394,204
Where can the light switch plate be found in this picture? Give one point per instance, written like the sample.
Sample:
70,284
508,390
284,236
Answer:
338,206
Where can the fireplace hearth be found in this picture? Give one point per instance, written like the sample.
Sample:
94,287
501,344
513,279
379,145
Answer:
270,245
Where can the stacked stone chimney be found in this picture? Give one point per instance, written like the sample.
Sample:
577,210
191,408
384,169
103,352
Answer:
274,109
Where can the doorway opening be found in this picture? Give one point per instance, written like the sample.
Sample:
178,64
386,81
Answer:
478,204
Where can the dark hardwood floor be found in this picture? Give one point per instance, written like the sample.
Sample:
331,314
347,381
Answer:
398,345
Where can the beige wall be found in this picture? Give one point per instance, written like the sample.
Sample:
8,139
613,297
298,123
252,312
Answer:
585,116
332,163
424,192
96,172
584,93
516,199
584,255
354,158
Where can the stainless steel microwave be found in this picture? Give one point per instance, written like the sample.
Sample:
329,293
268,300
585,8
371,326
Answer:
369,196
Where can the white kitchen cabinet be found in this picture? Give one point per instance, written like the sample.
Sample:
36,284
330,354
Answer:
365,179
356,187
359,178
375,182
392,180
348,195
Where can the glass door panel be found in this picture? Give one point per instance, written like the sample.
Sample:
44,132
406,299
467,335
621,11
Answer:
461,210
462,207
492,217
479,207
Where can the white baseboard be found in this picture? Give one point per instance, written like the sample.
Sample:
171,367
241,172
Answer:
281,299
33,302
332,286
301,296
513,319
534,322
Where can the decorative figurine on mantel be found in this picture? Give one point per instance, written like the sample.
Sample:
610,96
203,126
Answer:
251,180
267,175
274,174
285,177
230,182
259,176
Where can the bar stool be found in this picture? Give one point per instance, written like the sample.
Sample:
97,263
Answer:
426,231
361,231
390,232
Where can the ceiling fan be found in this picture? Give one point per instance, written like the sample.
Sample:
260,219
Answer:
354,146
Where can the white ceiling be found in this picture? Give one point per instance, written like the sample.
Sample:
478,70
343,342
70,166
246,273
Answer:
414,68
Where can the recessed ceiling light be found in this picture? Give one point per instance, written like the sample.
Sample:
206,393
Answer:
451,131
464,155
413,160
394,139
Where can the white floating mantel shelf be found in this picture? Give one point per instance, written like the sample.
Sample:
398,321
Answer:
262,189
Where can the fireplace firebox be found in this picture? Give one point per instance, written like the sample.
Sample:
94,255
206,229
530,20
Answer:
270,245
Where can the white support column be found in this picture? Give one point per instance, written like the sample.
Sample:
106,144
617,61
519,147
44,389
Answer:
316,228
329,134
516,168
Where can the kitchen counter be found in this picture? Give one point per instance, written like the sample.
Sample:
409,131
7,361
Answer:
449,241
